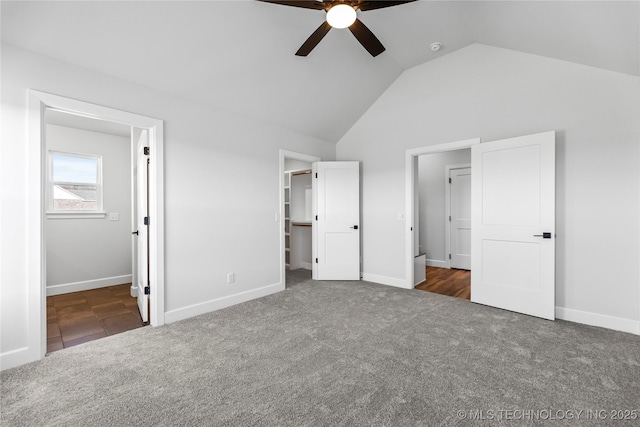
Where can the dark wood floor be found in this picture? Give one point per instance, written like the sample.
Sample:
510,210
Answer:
445,281
79,317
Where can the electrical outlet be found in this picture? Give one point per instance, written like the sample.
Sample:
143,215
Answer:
114,217
401,216
231,277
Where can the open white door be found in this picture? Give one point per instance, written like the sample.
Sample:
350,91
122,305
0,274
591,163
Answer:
336,239
513,224
460,207
142,223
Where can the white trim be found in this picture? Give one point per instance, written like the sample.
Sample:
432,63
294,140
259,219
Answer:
601,320
282,155
11,359
410,154
437,263
36,178
385,280
76,215
86,285
306,266
219,303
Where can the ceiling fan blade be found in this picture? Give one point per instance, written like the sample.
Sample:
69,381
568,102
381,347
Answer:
314,39
366,38
371,5
306,4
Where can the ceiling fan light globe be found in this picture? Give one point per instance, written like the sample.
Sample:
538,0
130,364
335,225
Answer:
341,16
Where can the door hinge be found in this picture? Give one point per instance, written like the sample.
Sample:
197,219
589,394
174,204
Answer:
316,260
449,256
316,174
146,220
316,217
449,180
146,151
147,290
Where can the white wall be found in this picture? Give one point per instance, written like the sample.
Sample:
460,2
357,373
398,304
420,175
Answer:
300,197
294,165
492,93
221,191
432,187
89,253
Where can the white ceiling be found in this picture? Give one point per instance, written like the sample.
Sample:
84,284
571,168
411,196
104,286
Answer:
239,55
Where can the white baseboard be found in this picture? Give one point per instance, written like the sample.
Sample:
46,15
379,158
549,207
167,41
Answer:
66,288
384,280
437,263
595,319
302,264
218,303
13,358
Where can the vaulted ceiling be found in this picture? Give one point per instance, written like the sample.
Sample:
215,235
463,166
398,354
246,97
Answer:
239,55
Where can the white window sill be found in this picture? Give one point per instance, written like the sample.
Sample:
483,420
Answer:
76,215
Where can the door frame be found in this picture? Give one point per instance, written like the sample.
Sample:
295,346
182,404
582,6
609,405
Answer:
282,155
38,102
411,156
447,207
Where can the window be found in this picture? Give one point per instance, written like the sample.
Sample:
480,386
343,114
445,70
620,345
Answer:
75,183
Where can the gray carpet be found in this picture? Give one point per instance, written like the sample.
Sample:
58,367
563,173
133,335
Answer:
334,353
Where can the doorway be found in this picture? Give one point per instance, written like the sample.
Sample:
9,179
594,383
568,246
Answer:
443,222
513,217
334,203
412,186
39,103
297,221
88,221
295,217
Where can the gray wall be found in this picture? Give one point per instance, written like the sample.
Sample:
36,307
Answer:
88,253
492,93
216,213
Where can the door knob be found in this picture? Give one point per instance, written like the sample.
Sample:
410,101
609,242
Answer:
544,235
355,227
135,232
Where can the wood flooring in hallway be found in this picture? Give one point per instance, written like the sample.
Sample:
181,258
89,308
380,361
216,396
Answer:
445,281
80,317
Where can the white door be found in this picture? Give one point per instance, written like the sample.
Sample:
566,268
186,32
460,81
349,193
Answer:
513,224
142,215
336,242
460,238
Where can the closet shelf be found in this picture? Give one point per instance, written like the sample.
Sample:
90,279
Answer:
301,223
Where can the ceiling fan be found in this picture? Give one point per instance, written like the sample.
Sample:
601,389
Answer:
341,14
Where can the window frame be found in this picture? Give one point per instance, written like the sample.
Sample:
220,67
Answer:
53,213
